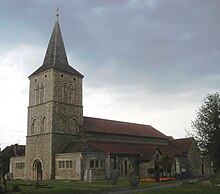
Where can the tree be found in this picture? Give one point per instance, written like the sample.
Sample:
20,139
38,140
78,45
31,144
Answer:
156,170
206,127
166,163
1,174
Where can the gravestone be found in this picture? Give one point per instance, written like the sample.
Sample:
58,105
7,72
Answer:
113,177
88,175
133,180
8,176
206,183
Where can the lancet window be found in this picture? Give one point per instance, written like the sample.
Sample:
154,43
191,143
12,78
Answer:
68,93
43,124
39,93
34,126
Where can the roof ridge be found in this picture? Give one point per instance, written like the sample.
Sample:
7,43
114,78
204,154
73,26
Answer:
181,138
98,125
125,122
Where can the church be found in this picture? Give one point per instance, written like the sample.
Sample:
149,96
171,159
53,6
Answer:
62,143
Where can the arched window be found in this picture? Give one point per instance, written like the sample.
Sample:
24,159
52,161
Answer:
33,126
65,92
124,166
42,90
74,125
37,90
71,94
62,123
43,124
122,169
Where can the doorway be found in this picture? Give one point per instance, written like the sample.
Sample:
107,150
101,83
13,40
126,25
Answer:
38,170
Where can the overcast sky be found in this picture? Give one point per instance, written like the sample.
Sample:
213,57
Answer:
144,61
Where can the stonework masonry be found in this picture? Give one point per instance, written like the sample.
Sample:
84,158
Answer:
17,167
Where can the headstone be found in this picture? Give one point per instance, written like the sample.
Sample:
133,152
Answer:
88,175
133,179
85,175
206,183
5,184
192,181
113,177
8,176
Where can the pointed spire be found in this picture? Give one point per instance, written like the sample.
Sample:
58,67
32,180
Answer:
57,14
56,54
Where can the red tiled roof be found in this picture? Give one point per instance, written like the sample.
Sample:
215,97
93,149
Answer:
118,148
169,151
122,128
183,144
144,151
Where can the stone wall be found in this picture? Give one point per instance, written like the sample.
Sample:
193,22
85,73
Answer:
207,167
39,149
145,165
55,118
195,161
97,162
68,166
17,167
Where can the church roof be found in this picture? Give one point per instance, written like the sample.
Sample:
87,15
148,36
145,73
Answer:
183,144
56,57
144,151
14,150
122,128
79,146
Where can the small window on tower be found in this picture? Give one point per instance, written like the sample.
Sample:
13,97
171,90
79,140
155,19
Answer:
61,75
45,76
74,79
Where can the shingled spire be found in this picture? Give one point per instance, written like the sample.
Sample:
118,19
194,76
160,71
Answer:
56,57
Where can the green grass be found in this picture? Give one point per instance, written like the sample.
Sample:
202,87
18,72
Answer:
100,186
28,187
185,188
67,186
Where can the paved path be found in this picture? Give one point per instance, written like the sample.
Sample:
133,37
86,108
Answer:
146,189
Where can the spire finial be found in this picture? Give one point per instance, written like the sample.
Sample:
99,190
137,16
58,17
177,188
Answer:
57,13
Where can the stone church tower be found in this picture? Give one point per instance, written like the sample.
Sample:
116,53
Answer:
55,112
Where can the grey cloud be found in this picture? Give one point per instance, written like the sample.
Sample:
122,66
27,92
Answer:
152,55
168,43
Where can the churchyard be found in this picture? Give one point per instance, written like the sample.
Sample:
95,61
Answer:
101,186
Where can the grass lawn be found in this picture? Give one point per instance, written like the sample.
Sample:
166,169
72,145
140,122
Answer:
101,186
186,188
70,186
28,187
